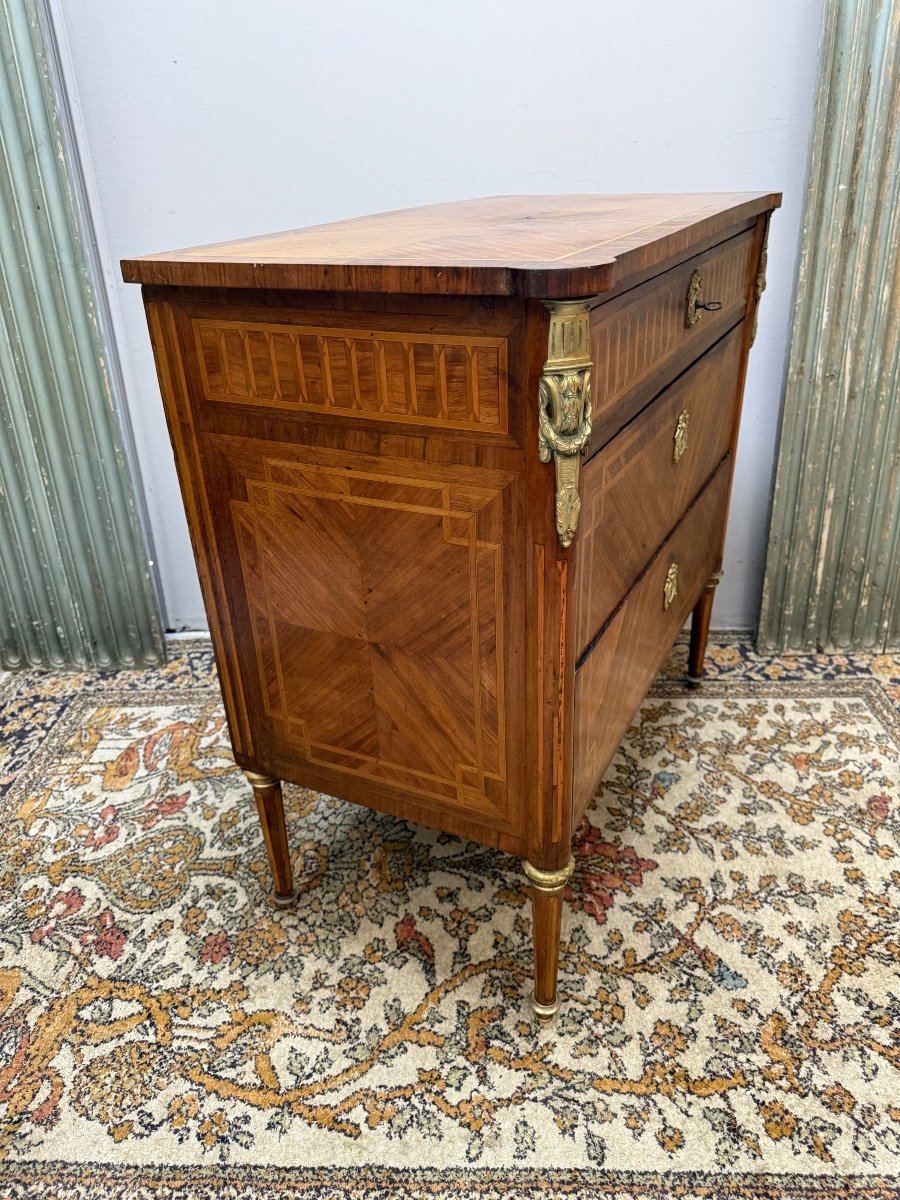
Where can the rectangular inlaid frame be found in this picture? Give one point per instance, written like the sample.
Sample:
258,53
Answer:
479,479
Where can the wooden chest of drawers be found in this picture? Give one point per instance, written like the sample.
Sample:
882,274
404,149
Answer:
455,479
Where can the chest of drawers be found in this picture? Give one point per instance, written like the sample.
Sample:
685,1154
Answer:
455,479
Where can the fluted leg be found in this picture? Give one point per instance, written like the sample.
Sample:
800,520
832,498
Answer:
547,889
700,631
270,806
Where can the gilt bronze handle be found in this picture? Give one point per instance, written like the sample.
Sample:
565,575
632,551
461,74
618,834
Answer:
670,587
680,435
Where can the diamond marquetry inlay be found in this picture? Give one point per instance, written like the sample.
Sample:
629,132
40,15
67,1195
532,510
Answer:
368,664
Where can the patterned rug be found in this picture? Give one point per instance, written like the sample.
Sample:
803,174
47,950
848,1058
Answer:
730,977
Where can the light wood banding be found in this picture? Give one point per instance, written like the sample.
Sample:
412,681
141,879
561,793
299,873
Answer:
548,247
372,661
446,380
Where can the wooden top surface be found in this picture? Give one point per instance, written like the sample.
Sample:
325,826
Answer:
543,246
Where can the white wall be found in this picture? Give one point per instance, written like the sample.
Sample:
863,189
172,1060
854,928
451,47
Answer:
219,118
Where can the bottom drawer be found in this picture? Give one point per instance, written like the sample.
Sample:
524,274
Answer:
614,678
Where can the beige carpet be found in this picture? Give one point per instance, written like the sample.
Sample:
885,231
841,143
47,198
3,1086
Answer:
730,978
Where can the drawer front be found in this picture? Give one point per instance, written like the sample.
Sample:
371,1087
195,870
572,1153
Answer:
637,488
614,679
642,339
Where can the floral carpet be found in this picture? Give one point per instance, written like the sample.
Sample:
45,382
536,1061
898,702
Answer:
730,973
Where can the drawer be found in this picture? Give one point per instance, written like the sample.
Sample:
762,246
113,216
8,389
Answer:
613,680
637,487
642,339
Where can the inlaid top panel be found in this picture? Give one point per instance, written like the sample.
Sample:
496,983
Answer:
544,246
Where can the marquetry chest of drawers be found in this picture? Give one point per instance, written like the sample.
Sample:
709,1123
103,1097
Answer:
456,477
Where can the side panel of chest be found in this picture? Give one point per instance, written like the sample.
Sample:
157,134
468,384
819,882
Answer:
357,495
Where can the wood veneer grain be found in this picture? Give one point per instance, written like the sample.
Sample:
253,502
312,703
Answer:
613,680
541,246
634,491
354,415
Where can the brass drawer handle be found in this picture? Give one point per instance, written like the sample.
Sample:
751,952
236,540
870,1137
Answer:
670,588
695,302
680,436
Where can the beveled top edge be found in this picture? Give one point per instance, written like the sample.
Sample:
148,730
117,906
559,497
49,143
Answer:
554,246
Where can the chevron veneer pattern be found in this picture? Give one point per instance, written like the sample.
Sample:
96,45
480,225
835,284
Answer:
450,380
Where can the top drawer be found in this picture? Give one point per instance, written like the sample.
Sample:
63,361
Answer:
643,338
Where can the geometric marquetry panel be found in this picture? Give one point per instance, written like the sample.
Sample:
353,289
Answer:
373,660
459,382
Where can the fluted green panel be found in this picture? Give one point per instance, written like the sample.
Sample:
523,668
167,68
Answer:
75,583
833,567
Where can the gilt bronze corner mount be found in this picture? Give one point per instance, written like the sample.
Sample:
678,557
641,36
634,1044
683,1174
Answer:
760,283
564,406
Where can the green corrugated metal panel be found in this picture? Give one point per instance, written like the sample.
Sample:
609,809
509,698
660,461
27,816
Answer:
75,583
833,567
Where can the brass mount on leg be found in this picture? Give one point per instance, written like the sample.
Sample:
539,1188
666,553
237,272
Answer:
545,1012
551,883
257,780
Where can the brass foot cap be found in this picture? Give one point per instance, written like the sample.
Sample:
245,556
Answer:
549,881
545,1012
287,901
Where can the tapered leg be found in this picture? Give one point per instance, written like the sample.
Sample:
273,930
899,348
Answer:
547,889
270,807
700,631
